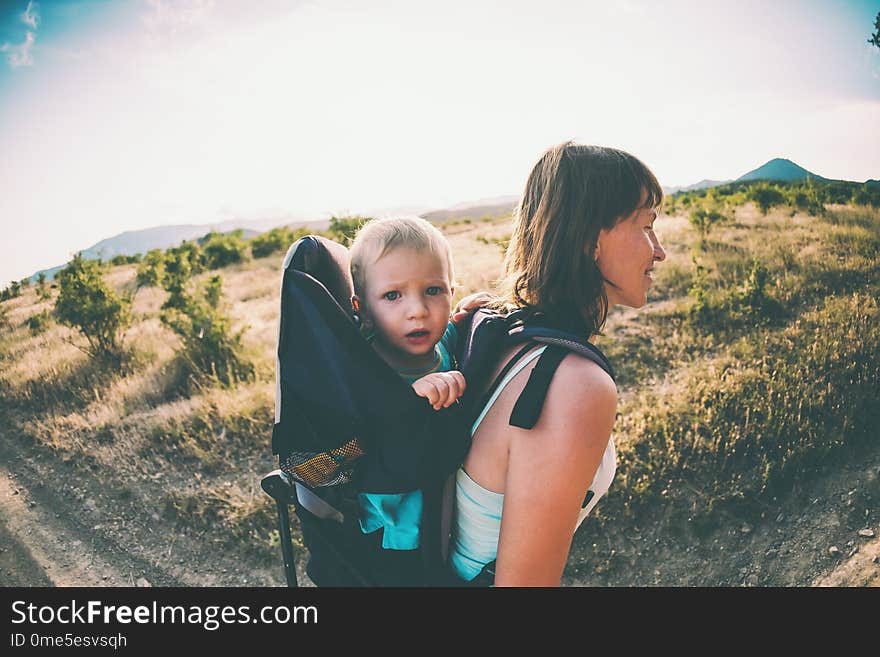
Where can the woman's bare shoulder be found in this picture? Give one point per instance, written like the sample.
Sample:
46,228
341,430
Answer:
584,380
581,404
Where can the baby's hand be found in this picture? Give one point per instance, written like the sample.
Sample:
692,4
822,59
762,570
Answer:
441,389
469,304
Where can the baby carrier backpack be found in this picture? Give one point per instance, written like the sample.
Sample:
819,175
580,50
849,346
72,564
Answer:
345,422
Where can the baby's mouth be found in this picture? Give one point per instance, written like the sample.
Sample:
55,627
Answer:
417,334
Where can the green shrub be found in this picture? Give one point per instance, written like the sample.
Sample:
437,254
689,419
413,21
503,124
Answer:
38,323
277,239
719,310
766,197
151,269
222,250
11,292
86,303
839,191
343,229
270,242
702,311
703,218
180,264
774,410
42,291
210,351
125,259
861,197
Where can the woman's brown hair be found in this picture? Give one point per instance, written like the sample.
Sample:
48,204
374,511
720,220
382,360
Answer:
571,194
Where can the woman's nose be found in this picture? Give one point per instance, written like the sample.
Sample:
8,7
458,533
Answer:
659,253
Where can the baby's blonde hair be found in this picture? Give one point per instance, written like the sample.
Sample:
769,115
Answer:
379,236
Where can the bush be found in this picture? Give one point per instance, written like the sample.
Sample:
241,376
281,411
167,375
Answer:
180,264
222,250
277,239
38,323
703,218
343,229
838,192
42,290
209,350
11,292
702,311
151,269
125,259
774,410
86,303
718,310
766,197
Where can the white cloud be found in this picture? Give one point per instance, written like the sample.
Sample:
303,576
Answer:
169,19
20,55
31,15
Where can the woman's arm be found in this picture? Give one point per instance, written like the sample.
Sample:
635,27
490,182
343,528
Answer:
550,468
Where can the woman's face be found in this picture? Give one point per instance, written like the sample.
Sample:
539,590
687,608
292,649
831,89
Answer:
626,255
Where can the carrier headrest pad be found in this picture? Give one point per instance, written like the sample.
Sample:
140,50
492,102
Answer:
326,261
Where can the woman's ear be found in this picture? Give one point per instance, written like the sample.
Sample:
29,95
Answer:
591,250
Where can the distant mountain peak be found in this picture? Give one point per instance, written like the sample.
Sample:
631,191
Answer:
780,168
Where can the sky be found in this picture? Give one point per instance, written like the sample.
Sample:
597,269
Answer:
130,114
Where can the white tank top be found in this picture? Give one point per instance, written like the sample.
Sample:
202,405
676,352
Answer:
477,518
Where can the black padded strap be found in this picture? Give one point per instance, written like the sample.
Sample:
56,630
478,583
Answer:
498,379
528,407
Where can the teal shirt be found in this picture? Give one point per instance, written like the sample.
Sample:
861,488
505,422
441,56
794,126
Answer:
400,514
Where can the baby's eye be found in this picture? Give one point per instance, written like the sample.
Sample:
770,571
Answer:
434,290
391,296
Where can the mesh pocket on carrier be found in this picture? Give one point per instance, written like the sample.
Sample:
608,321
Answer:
316,469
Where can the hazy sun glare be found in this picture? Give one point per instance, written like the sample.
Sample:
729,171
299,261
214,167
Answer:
145,113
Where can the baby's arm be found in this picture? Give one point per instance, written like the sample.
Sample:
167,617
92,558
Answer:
441,389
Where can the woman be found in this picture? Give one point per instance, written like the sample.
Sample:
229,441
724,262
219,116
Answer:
583,241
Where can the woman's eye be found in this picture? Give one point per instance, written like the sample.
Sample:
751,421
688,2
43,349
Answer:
434,290
391,296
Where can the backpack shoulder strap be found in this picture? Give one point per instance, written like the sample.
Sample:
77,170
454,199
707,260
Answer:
528,406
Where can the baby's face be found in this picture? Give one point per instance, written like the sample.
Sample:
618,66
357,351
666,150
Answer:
407,301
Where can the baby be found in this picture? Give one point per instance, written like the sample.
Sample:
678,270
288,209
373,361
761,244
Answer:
403,283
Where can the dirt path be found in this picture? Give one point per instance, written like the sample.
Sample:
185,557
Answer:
862,569
59,526
44,549
52,537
